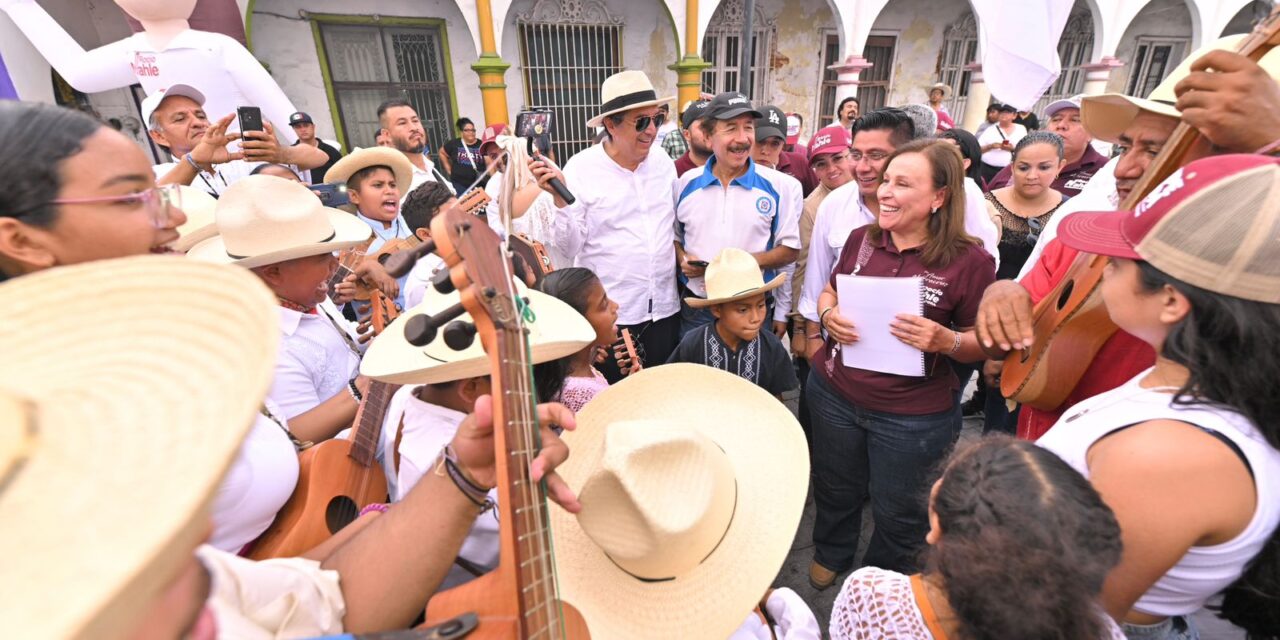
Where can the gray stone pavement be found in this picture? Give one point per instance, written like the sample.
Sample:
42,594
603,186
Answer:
795,570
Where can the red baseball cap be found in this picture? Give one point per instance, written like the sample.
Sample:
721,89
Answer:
831,139
490,135
1214,223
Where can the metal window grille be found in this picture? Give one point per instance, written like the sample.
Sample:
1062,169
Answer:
1153,59
1074,50
873,86
827,92
959,49
369,64
566,52
722,46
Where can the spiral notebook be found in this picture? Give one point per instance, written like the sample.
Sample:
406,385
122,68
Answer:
872,303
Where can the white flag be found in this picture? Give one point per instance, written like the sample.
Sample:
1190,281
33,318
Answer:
1020,47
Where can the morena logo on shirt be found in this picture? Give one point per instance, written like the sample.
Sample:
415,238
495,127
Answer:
764,205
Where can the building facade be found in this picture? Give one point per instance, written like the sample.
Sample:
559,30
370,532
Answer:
488,59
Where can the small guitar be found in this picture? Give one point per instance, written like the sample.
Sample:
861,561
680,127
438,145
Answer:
520,598
1071,324
533,253
336,478
624,352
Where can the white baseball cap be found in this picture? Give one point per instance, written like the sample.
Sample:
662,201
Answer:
152,102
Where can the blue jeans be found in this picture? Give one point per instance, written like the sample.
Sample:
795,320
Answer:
857,452
1175,628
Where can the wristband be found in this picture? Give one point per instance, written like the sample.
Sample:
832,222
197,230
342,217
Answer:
822,317
955,348
814,336
192,161
478,495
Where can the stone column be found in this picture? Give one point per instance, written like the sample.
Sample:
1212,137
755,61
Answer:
689,68
491,68
975,107
1098,74
847,73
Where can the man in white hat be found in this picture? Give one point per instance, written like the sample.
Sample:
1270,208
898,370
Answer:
1082,160
622,226
279,229
939,92
111,545
1139,128
176,122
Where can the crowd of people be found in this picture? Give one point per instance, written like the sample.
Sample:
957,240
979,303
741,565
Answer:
705,270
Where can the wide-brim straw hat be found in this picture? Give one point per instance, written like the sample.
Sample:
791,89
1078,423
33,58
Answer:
1106,116
119,414
342,170
655,497
200,208
556,331
624,91
265,220
733,275
946,89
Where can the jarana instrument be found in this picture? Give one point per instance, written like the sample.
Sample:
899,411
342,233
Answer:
1071,324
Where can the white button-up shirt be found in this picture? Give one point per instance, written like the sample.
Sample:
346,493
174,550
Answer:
427,429
316,361
421,176
622,227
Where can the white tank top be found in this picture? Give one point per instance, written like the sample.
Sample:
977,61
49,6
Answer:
1203,571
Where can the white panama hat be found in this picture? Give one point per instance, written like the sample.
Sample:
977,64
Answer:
624,91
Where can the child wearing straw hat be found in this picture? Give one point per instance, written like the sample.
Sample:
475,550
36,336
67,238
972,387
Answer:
736,297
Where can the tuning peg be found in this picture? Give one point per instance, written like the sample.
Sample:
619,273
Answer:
442,281
459,335
420,330
400,262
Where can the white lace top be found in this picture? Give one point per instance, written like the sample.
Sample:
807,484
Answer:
875,603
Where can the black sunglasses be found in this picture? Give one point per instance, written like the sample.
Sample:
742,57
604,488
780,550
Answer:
643,122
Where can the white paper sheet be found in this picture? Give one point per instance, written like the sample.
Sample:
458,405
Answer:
872,303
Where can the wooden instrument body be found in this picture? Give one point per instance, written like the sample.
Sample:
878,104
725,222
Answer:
519,598
1071,323
533,253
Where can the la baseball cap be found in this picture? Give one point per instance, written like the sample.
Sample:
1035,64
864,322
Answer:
730,104
771,123
152,102
832,139
1214,223
300,118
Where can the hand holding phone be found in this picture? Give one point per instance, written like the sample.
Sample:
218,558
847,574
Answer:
250,118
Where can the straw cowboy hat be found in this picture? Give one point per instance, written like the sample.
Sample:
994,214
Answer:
624,91
733,275
692,483
199,208
119,415
555,331
945,88
1106,116
265,220
342,170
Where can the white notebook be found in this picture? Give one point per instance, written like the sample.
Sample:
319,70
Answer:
872,303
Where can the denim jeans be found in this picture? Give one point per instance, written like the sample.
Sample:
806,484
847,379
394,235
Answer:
857,452
1175,628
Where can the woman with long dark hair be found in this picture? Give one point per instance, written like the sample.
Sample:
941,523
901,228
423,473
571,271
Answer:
1187,453
573,380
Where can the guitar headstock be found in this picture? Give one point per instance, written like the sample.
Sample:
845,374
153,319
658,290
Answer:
1266,32
478,268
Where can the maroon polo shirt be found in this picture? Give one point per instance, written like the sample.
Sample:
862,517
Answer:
683,164
952,293
796,165
1070,181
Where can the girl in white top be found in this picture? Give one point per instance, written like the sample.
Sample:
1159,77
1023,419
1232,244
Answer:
1019,545
1187,454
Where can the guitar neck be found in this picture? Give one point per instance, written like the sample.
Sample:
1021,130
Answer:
368,423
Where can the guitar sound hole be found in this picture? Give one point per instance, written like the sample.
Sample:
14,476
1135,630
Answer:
1065,296
340,513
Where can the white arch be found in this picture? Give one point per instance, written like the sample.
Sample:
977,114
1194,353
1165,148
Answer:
1121,15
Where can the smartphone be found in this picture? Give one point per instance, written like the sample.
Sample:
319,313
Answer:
332,195
535,126
250,118
702,264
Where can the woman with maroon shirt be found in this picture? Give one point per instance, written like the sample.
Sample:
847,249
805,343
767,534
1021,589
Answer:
880,433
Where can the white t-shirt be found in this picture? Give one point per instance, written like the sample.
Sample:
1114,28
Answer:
259,482
215,182
992,135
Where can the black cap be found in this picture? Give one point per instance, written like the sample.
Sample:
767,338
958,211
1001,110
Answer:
772,123
693,112
1007,108
300,118
730,104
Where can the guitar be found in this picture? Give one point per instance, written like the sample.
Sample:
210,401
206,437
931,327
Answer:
625,348
1071,324
520,598
533,253
336,478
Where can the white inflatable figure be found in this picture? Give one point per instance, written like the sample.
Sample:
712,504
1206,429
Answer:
167,52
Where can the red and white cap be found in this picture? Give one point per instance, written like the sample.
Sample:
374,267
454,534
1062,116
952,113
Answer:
1214,224
832,139
152,102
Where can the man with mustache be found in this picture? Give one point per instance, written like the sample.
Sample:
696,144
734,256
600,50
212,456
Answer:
403,131
733,202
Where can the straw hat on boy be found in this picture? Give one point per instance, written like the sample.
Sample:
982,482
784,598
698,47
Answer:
624,91
555,331
734,275
199,208
119,415
353,162
692,483
265,220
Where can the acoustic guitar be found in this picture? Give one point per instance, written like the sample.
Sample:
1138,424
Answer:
518,599
336,478
1071,324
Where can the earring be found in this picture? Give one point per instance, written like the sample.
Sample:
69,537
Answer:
935,212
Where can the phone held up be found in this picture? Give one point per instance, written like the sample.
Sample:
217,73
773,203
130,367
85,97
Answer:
535,128
250,119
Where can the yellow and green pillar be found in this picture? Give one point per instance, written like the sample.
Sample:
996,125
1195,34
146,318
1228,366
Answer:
689,68
491,68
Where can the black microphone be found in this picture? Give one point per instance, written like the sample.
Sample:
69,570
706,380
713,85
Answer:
555,183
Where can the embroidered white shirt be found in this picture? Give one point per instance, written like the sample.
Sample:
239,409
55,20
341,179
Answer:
315,361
